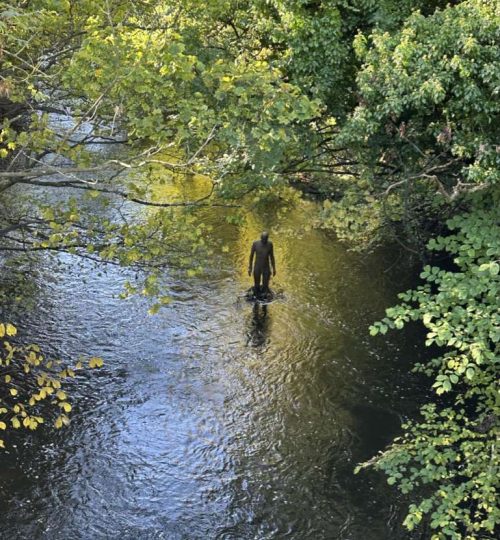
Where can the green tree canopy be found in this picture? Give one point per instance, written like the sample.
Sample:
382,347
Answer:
425,132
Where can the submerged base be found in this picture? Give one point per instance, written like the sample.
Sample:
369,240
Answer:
260,297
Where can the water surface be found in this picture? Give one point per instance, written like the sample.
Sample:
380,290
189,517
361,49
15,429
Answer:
215,419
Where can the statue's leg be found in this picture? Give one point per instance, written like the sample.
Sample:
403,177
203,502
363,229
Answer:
256,282
266,276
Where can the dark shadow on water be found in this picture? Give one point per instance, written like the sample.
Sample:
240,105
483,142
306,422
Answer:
257,334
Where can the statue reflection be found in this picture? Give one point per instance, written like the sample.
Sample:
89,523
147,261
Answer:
257,335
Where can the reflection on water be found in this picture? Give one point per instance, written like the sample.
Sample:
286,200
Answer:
219,418
259,326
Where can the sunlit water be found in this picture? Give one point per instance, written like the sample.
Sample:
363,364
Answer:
215,419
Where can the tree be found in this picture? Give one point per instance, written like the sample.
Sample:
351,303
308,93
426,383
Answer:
424,133
450,456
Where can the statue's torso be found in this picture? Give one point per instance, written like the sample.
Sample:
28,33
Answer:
262,252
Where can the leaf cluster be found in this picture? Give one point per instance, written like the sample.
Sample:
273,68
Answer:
32,385
450,456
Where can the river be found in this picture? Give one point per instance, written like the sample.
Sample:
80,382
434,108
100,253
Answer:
214,419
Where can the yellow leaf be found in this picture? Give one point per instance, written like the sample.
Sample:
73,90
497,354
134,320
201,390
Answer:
8,378
26,421
96,362
66,406
15,422
151,311
78,365
2,444
3,425
61,395
58,423
11,330
2,330
13,392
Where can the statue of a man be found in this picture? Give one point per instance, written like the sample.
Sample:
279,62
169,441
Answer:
264,258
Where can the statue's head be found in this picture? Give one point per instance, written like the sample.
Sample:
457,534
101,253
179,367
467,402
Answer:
264,237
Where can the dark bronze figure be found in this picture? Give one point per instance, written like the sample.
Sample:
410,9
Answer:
264,259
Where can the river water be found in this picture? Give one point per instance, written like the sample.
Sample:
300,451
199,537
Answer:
215,419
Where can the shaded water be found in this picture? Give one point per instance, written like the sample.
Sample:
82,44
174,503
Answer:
215,419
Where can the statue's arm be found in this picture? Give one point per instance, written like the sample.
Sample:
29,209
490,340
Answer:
250,261
273,262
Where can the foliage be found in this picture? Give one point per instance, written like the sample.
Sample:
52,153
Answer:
423,133
32,385
254,94
315,41
170,88
452,453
